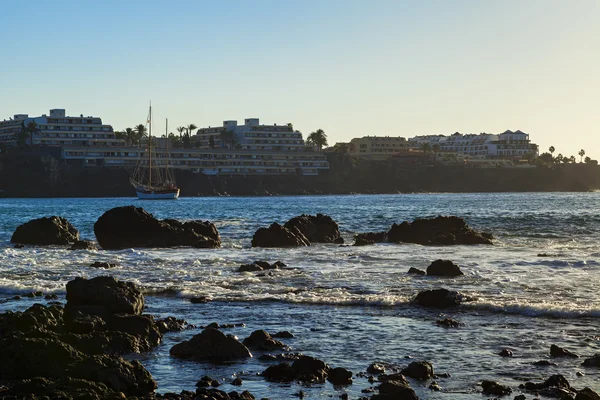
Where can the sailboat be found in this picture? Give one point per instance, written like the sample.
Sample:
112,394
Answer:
153,178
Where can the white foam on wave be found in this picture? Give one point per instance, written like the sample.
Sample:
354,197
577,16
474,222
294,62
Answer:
535,310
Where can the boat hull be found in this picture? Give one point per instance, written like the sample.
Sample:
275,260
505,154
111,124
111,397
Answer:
164,194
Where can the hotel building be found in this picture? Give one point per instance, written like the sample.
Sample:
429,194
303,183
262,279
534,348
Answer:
377,147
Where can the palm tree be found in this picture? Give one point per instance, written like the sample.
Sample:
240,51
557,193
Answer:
318,138
228,139
572,159
181,129
130,136
559,158
140,132
190,128
552,150
425,147
581,154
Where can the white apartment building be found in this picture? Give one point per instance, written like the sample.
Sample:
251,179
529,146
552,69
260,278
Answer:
253,136
58,129
508,144
377,147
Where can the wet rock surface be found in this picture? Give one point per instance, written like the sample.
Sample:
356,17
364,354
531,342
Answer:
211,345
279,236
134,227
443,268
305,369
318,228
439,298
261,266
495,389
437,231
556,351
46,231
262,341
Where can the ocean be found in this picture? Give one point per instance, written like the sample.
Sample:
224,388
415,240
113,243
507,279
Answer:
351,306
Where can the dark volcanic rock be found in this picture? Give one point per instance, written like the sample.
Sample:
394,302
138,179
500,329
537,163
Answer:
103,295
505,353
491,388
439,298
103,265
419,370
416,271
211,345
370,237
140,326
261,340
305,369
171,324
260,266
395,390
133,227
279,236
361,240
207,381
545,363
443,268
557,381
587,394
283,335
448,323
83,245
340,376
279,373
376,369
436,231
556,351
592,361
45,231
318,228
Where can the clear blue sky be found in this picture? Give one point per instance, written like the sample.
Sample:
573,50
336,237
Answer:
352,68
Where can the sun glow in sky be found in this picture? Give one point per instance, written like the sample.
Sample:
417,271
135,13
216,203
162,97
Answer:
352,68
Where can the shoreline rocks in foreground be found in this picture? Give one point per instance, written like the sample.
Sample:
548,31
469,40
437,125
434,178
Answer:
134,227
438,231
46,231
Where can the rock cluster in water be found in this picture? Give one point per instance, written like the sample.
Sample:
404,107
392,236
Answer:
428,231
46,231
299,231
134,227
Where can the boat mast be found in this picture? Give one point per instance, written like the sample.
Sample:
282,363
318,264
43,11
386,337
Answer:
149,146
166,178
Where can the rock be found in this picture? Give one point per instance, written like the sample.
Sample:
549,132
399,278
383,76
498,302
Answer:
77,322
51,297
436,231
360,240
237,381
520,397
419,370
279,373
171,324
279,236
434,387
557,381
545,363
260,266
103,295
207,381
83,245
133,227
416,271
340,376
310,370
199,300
103,265
45,231
211,345
443,268
505,353
261,340
491,388
396,390
58,388
376,369
140,326
370,237
448,323
318,228
556,351
592,361
439,298
587,394
283,335
19,246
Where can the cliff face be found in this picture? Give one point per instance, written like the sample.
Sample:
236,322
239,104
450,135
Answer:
35,175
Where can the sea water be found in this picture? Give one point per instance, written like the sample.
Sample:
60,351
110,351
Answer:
350,306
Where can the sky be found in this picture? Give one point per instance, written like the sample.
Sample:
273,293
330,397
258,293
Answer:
352,68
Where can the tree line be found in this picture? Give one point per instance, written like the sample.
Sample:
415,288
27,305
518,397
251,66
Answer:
549,158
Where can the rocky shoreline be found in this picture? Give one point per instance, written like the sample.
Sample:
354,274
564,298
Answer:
77,349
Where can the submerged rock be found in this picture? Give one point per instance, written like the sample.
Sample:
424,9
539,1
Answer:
279,236
421,370
416,271
495,389
397,390
318,228
448,323
134,227
592,361
556,351
261,340
439,298
83,245
211,345
340,376
260,266
103,265
46,231
437,231
370,237
443,268
505,353
587,394
305,369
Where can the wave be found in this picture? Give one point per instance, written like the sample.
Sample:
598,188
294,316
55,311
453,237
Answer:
534,310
